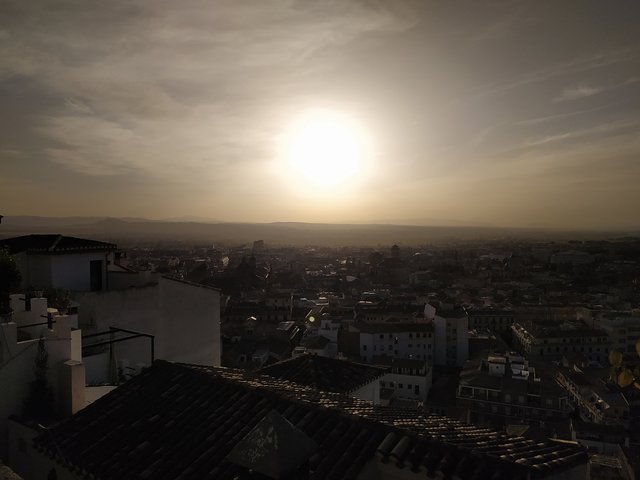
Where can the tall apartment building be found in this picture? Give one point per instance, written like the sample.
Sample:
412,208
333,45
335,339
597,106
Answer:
451,333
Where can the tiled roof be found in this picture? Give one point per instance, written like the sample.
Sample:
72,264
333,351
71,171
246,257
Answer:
54,244
182,421
323,373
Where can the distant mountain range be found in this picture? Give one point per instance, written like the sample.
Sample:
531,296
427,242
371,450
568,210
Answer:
202,230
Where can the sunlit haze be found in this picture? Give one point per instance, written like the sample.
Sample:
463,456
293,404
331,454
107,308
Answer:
487,113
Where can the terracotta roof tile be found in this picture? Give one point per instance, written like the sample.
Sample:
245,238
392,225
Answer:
139,431
54,244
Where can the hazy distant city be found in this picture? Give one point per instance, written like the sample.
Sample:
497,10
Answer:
517,339
323,240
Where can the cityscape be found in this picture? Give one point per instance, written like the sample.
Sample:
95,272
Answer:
340,239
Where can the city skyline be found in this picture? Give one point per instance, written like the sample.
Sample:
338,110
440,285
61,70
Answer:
501,113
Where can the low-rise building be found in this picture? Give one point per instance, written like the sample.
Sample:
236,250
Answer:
406,379
504,389
399,340
59,261
553,341
597,401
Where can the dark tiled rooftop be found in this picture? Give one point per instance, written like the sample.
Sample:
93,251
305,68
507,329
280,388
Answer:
54,244
324,373
182,421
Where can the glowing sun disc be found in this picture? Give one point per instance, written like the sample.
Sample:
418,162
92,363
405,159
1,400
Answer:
326,147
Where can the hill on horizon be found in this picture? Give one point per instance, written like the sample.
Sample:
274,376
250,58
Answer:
131,230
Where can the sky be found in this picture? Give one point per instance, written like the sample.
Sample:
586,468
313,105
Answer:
494,112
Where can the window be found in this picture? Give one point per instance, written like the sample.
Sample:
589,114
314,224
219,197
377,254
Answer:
364,347
411,345
409,386
390,347
382,384
399,385
381,336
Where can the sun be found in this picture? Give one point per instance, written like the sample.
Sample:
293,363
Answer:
325,147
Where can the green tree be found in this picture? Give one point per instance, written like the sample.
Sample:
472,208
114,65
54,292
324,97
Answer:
9,280
39,402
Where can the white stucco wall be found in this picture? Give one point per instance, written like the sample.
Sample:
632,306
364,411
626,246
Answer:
394,380
183,317
26,461
65,374
69,272
72,272
191,323
369,392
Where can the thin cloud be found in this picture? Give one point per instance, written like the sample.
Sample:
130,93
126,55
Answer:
581,91
174,88
578,65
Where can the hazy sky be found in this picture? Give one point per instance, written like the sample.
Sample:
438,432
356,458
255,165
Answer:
521,113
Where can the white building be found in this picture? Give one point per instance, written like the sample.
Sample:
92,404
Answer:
58,261
400,340
407,379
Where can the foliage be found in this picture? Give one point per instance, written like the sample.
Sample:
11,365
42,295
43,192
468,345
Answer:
624,375
39,402
57,298
9,279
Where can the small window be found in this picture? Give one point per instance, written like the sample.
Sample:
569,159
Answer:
399,385
409,386
364,347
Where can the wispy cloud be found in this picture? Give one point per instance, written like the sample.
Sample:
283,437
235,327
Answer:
580,64
174,88
582,91
579,91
